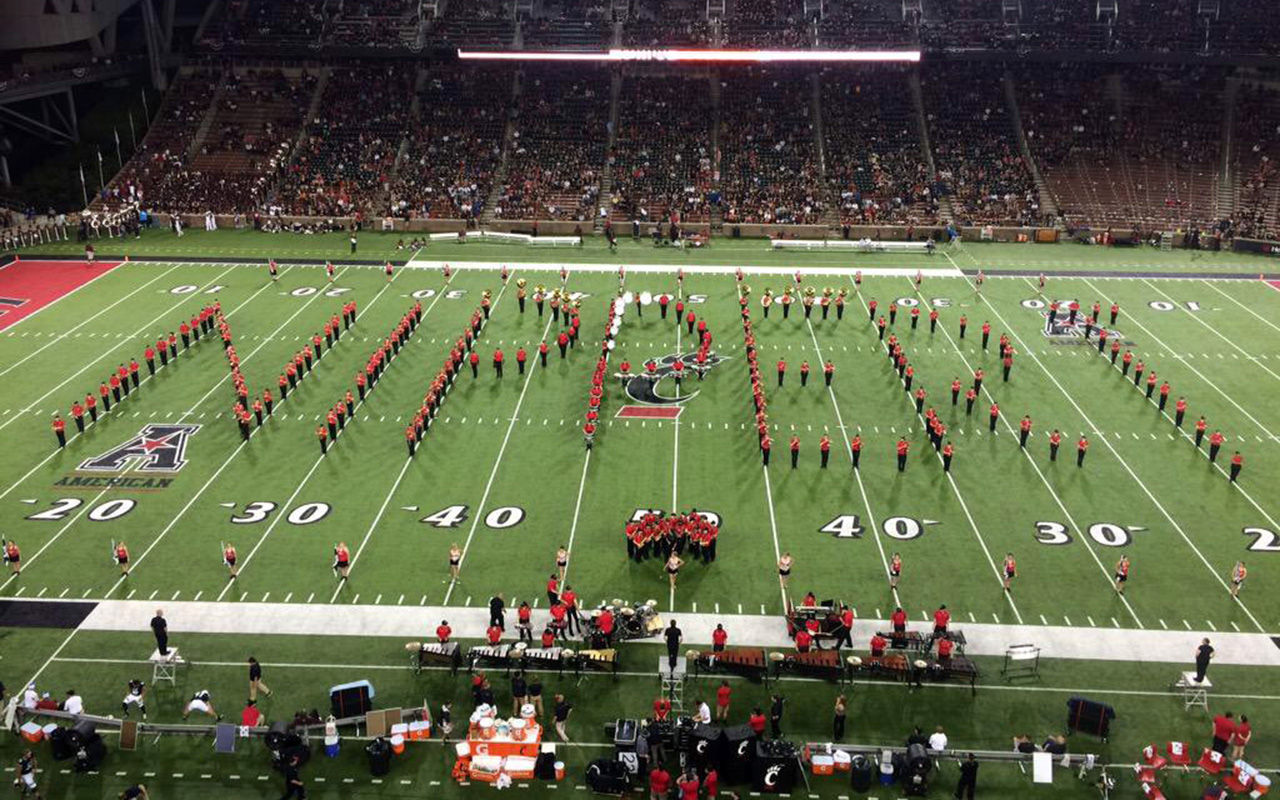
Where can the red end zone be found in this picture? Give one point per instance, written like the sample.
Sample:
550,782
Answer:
28,286
649,412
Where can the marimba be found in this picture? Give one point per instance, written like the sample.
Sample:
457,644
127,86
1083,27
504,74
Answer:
599,660
815,663
954,668
544,658
448,654
492,655
746,661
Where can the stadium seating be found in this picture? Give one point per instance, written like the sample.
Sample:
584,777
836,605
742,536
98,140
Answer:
558,150
769,163
1256,148
875,162
975,147
455,146
662,155
349,151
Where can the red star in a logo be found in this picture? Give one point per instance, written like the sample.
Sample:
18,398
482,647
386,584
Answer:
156,444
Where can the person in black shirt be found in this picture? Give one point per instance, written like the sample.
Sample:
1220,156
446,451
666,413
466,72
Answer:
562,711
161,629
293,781
775,715
917,737
968,777
26,781
519,692
673,636
255,680
1203,654
496,606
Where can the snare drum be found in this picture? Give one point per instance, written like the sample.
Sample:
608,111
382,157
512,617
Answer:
627,611
486,728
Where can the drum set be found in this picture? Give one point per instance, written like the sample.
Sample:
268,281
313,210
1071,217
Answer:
631,620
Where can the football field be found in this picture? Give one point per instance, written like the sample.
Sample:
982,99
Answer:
504,474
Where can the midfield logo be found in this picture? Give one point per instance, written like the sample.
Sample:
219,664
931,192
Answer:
644,389
156,448
1060,328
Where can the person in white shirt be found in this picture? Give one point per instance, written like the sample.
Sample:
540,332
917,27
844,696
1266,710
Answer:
74,704
30,697
938,741
704,713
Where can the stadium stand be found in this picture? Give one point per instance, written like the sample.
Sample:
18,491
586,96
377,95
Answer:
662,159
875,162
558,147
1256,146
667,23
454,149
769,161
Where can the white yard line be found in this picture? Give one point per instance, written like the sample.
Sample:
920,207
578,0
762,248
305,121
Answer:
1215,332
675,423
1131,318
1080,533
872,525
1261,318
497,463
955,488
1088,421
55,339
129,340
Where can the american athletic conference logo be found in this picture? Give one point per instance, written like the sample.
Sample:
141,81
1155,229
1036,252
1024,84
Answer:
156,448
643,386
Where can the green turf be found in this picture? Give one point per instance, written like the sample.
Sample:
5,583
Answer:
515,444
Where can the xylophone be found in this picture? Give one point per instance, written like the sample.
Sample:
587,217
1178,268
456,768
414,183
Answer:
502,655
957,668
889,666
908,640
448,655
816,663
746,661
600,660
544,658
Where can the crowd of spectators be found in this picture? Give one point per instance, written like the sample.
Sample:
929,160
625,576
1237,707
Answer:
769,163
863,23
558,146
276,23
975,145
455,146
875,161
1256,145
374,23
772,24
349,151
663,161
667,23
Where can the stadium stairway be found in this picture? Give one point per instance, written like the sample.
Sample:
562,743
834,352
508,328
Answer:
313,108
1227,180
206,122
830,214
945,211
1048,203
606,174
504,162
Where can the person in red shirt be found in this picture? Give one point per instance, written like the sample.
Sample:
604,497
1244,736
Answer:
1122,573
782,371
497,362
251,716
855,450
899,620
711,783
1215,444
1055,439
903,448
558,620
722,701
60,430
1224,729
13,555
443,632
948,453
661,708
986,334
804,641
878,643
719,637
945,646
824,450
689,785
323,436
1082,447
1179,411
795,451
659,778
1237,464
941,618
994,415
553,589
77,413
844,635
521,357
563,341
1010,570
1240,738
493,635
548,637
474,360
605,624
757,722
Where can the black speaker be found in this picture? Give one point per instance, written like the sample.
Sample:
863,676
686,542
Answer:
544,768
861,773
705,745
90,753
379,757
606,776
60,744
276,734
83,731
773,772
737,751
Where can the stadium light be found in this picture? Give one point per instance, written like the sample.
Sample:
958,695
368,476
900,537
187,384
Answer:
753,56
